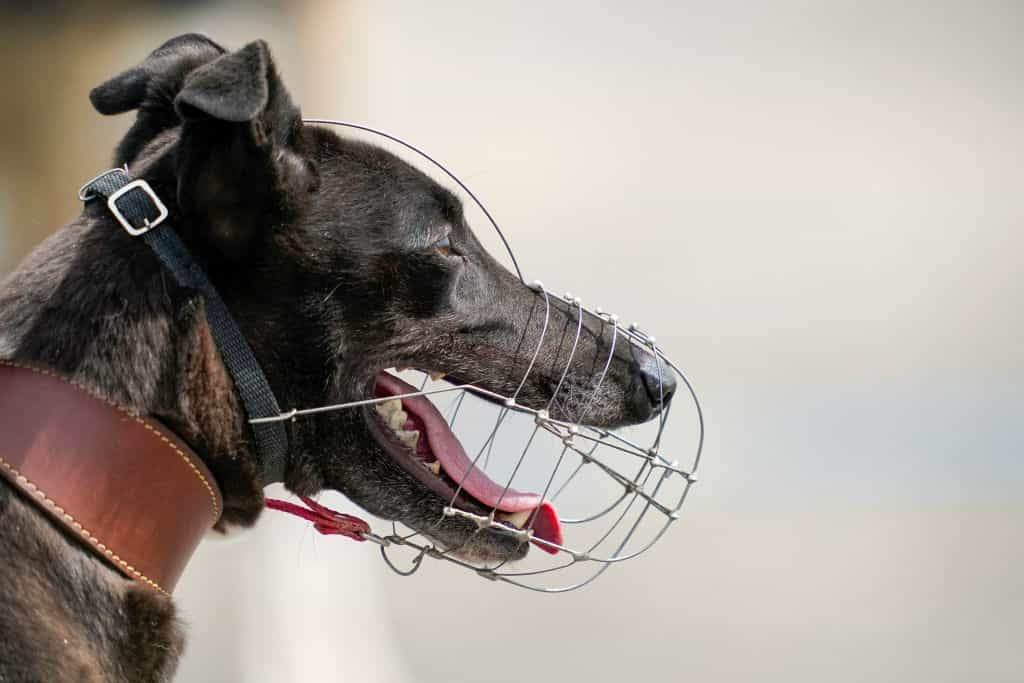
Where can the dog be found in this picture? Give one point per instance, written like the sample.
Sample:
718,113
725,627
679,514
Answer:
338,261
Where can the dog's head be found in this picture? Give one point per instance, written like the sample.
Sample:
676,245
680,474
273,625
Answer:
339,261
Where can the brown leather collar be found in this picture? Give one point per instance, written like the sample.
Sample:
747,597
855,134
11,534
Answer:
126,486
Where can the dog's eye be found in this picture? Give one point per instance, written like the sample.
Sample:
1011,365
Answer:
444,246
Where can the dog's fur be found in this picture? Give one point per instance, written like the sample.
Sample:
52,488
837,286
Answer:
322,248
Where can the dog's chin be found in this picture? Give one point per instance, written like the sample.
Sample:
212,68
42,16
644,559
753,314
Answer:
427,479
477,546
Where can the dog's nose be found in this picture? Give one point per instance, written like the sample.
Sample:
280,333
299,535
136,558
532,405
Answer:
656,386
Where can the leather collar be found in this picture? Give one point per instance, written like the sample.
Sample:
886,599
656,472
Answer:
123,484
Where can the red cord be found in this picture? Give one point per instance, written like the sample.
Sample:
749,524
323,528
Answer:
325,520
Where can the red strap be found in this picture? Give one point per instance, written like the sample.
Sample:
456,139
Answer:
325,520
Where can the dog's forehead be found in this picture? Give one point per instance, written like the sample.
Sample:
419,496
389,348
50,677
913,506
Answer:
359,169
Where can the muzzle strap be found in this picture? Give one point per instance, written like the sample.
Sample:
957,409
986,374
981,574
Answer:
141,213
325,520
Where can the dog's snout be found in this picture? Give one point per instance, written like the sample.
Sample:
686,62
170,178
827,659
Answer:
655,386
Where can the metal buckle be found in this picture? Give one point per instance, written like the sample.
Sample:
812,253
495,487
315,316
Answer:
147,224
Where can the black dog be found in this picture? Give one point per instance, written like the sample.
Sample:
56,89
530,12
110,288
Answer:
338,260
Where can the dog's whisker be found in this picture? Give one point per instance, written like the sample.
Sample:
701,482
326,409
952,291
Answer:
332,292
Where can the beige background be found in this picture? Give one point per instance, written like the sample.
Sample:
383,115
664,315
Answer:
817,207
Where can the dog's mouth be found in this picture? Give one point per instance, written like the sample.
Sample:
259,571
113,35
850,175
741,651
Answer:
415,434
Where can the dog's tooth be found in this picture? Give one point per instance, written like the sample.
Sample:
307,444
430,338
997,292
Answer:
516,519
437,375
387,408
397,420
435,467
410,439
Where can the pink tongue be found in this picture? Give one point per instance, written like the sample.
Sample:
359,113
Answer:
457,465
547,527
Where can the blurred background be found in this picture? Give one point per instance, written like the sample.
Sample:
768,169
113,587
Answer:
815,206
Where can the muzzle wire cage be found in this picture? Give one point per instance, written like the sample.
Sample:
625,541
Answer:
617,492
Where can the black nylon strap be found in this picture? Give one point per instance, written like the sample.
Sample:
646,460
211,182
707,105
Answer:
140,209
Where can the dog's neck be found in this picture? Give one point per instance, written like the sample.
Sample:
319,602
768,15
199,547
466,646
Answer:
95,306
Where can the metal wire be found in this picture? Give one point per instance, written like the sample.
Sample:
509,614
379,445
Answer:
635,486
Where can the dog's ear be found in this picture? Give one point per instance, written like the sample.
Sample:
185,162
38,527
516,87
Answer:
176,57
150,88
241,167
233,88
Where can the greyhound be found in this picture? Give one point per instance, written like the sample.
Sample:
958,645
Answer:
338,261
